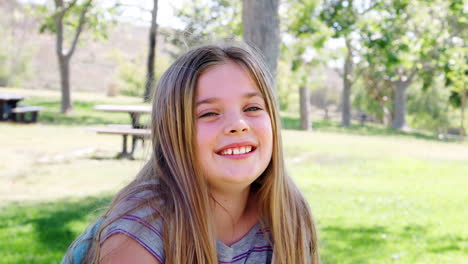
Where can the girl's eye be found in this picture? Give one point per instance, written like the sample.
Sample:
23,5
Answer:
253,108
208,114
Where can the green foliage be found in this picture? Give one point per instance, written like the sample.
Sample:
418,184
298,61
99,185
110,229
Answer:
399,48
287,88
428,109
340,15
130,76
399,39
15,53
99,18
299,59
205,21
456,73
374,98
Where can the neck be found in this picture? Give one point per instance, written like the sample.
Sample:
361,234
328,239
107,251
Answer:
234,214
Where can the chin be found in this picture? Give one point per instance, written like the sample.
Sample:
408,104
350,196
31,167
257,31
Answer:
237,180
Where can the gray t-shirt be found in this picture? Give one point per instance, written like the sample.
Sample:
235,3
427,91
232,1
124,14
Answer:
253,248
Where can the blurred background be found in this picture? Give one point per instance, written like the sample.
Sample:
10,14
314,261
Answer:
372,96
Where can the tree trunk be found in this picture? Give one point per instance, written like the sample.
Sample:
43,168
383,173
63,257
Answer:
462,109
64,67
150,75
65,57
261,28
347,82
399,121
63,63
306,123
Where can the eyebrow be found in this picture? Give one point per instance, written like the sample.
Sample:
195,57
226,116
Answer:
211,100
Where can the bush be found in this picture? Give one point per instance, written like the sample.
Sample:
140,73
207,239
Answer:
428,109
131,73
15,53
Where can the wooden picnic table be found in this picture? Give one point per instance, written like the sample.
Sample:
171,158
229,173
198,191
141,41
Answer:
8,102
135,111
136,130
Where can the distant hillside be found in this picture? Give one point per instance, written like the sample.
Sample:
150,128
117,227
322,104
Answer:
93,65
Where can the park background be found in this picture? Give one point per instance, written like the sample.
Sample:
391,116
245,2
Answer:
372,97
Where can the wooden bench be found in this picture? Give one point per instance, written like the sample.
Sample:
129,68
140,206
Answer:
125,131
20,113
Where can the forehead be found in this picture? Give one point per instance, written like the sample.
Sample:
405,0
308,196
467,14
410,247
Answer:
225,80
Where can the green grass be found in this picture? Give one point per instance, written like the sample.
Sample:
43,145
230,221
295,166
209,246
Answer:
291,121
41,232
378,196
384,199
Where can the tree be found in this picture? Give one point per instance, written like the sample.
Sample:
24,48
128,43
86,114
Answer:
71,18
456,78
151,53
306,35
456,59
343,16
402,46
261,28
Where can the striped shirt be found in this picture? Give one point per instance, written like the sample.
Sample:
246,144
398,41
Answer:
253,248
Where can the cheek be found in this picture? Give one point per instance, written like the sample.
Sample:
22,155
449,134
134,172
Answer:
204,136
266,132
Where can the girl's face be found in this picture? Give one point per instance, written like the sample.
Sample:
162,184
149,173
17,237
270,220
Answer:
234,134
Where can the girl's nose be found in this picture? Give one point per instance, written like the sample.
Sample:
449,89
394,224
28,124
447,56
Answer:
236,124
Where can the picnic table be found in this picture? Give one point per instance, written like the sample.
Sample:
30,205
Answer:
10,110
135,111
136,130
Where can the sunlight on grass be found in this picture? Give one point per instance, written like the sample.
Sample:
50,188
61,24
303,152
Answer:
383,200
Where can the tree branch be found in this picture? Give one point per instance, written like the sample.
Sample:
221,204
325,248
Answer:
69,6
356,75
79,28
412,74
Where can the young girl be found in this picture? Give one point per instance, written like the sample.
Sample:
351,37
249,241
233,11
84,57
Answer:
215,189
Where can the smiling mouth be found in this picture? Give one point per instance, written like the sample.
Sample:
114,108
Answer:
237,151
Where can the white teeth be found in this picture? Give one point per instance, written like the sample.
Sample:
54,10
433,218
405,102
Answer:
237,151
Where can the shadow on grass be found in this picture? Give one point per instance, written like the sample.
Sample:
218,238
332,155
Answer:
52,224
368,129
42,232
448,243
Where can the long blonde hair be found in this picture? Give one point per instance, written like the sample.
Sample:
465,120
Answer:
187,231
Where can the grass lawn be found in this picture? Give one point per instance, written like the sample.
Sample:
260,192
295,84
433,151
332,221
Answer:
378,196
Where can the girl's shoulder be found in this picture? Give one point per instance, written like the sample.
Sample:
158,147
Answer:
138,217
